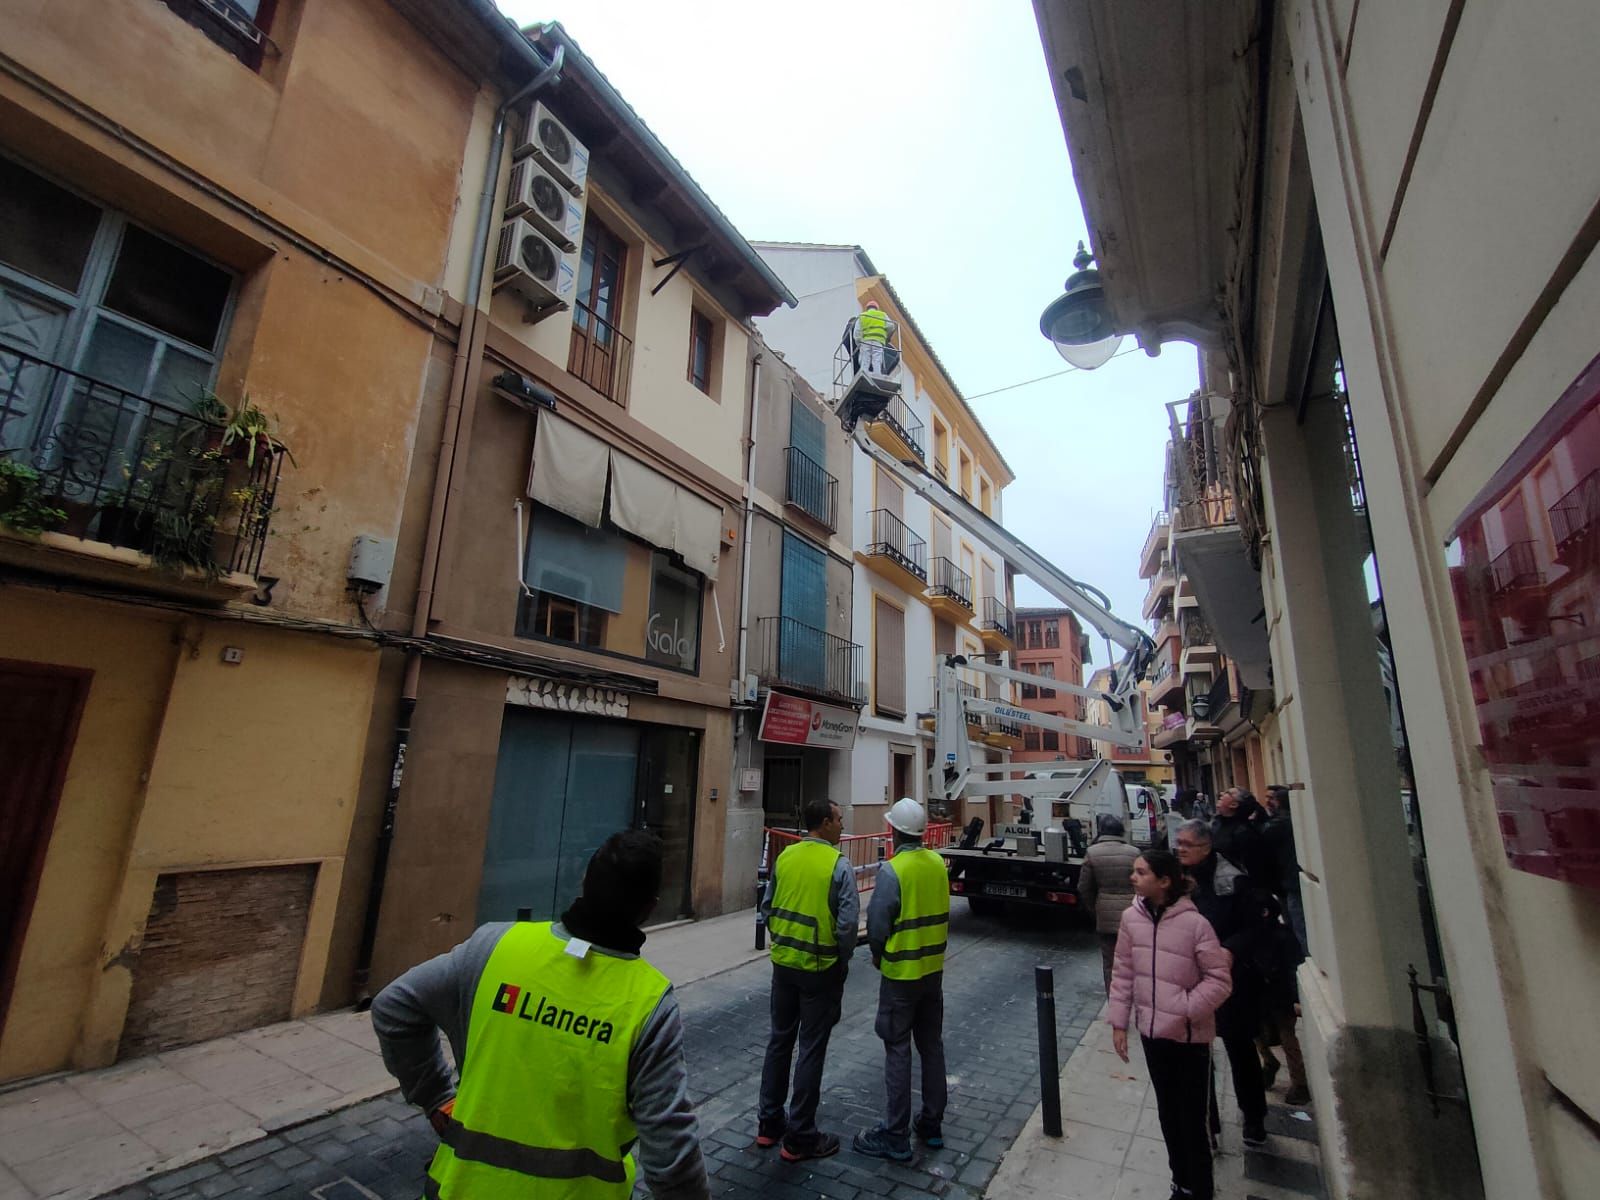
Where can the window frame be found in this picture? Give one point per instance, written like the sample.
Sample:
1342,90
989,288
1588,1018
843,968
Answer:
700,323
879,708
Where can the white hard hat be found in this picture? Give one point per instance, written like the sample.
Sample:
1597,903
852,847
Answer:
908,816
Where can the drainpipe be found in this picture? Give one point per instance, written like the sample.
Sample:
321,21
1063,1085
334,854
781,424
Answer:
749,523
451,439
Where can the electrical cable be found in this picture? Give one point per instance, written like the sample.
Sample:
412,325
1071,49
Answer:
1011,387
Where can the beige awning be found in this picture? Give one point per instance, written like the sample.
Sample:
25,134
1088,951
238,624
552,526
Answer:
698,538
569,470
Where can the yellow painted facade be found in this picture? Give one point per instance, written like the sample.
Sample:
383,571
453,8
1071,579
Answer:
326,183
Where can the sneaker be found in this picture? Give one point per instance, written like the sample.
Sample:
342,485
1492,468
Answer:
876,1143
1298,1094
823,1145
1255,1134
769,1134
929,1134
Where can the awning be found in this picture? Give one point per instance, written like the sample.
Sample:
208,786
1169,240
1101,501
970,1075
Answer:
569,470
569,473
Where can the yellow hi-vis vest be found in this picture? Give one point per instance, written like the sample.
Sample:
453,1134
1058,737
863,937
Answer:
915,948
543,1105
872,326
800,925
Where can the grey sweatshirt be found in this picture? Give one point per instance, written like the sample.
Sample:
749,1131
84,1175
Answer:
437,995
843,901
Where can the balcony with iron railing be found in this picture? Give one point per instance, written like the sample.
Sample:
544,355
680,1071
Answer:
997,625
1575,517
1155,545
894,552
791,654
85,459
1199,643
810,489
950,591
1516,568
1166,681
1198,461
601,354
1158,597
899,431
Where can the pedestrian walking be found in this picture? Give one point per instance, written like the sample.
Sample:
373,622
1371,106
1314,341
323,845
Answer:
1222,893
576,1063
1105,885
812,913
908,924
1170,976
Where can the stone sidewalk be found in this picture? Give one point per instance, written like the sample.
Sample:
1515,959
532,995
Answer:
1111,1147
83,1134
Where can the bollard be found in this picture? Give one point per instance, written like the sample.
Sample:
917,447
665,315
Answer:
1044,986
761,920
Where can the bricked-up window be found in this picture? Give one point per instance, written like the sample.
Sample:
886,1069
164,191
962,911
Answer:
701,333
888,659
238,26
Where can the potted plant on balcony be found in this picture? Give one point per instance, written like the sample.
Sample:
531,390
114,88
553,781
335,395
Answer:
248,432
24,506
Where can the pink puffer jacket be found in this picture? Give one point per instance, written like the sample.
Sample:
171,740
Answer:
1172,974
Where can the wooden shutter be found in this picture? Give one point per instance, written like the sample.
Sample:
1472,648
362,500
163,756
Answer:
988,580
891,495
888,659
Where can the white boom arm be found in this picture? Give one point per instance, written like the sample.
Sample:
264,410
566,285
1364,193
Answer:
951,774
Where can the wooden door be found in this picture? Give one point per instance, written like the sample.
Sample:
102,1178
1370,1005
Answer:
39,710
597,343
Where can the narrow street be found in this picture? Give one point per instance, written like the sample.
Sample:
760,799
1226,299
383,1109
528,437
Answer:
991,1045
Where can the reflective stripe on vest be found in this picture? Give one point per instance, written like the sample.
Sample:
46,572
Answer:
800,925
872,326
915,948
544,1088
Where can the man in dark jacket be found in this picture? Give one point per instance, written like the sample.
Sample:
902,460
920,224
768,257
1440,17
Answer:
1282,863
1222,893
1236,834
1105,884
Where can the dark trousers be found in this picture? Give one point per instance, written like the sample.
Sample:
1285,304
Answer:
1180,1073
805,1008
1238,1022
1108,956
912,1010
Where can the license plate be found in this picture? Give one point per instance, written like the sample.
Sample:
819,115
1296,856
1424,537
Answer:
1004,889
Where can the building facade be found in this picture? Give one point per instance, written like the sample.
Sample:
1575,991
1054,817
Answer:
802,673
1051,642
1402,355
577,532
925,584
214,347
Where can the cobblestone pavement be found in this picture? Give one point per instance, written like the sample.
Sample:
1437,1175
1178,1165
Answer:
382,1147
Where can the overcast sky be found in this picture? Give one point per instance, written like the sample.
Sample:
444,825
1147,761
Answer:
927,133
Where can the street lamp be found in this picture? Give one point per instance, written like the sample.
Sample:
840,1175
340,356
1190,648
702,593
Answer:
1078,323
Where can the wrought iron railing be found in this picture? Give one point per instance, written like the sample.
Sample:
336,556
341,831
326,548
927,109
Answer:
899,417
1196,630
1199,467
126,470
996,618
951,581
601,354
226,24
810,488
1517,566
891,538
792,654
1575,515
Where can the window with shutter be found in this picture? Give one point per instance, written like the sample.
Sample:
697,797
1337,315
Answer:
888,659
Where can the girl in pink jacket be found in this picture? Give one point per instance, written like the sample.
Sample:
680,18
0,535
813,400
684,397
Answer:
1168,978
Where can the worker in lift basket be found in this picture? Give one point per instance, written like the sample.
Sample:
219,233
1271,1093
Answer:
871,331
908,923
570,1047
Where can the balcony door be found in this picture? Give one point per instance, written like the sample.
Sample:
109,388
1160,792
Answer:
597,314
803,637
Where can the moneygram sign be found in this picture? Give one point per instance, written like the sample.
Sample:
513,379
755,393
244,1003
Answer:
796,722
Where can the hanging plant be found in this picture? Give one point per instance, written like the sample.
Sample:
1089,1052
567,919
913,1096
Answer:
24,506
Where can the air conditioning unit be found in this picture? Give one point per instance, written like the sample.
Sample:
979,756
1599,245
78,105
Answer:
552,143
532,265
539,196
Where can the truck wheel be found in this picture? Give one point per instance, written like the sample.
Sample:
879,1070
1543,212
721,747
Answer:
985,907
